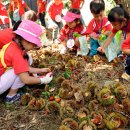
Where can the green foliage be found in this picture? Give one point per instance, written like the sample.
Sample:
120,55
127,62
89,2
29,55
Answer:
109,4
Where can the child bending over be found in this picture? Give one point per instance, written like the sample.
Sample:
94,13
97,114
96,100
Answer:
98,26
14,68
73,25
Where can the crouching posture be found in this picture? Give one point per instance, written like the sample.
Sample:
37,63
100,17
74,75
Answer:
14,68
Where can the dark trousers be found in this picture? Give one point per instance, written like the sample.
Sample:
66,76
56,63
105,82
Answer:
127,65
42,18
94,45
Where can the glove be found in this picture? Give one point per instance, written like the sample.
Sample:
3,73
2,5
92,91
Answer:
46,79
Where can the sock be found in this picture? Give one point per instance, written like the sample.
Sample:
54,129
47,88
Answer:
8,96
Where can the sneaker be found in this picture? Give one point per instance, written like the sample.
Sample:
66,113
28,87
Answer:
13,99
126,77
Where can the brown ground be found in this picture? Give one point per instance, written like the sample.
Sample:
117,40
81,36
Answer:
18,117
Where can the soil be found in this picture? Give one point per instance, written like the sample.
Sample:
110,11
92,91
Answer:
95,69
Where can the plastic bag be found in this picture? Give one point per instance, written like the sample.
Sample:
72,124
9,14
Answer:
83,46
114,47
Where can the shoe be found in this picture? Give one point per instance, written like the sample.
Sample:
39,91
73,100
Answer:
13,99
126,77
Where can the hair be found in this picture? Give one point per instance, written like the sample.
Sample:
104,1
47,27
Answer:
76,11
96,6
30,15
16,25
18,40
118,14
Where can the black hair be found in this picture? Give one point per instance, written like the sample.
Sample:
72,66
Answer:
96,6
18,40
76,11
118,14
16,25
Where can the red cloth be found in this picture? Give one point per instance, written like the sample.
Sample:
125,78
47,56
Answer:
67,32
126,43
55,10
75,4
14,58
125,29
21,5
41,4
3,12
93,26
6,36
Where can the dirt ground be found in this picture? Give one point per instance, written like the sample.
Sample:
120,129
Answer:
81,71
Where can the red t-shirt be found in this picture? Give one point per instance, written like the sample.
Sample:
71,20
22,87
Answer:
75,4
6,36
3,12
94,26
126,43
41,4
55,10
13,57
18,5
125,29
66,32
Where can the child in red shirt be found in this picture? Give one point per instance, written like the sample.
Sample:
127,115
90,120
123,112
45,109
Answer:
77,4
73,26
120,20
54,14
8,33
41,4
4,20
98,25
17,9
14,67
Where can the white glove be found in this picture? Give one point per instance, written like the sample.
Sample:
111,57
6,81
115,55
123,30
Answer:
46,79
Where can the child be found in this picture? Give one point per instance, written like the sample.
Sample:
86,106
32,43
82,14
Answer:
126,50
73,25
120,20
41,4
4,20
14,68
98,25
8,33
54,14
30,15
77,4
17,9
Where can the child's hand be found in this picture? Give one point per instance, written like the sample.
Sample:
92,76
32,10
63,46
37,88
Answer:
46,79
88,39
94,35
44,71
100,49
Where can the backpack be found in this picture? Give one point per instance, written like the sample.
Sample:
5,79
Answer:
2,52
